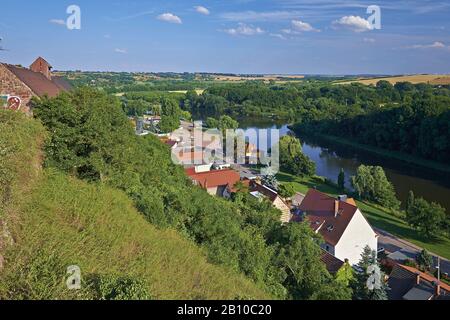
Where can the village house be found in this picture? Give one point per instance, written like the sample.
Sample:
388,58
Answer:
342,225
18,84
332,263
216,182
408,283
261,191
190,159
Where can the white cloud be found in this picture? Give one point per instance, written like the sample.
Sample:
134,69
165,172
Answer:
202,10
59,22
245,30
122,51
435,45
278,35
354,23
298,26
301,26
107,36
170,17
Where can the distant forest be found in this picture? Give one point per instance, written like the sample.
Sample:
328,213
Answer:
405,117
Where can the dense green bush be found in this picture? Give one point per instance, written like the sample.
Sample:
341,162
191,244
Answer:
92,139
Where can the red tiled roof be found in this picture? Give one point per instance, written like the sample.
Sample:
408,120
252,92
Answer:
62,83
270,194
267,192
320,209
37,82
425,276
214,178
332,263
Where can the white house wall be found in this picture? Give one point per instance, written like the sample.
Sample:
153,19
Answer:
355,238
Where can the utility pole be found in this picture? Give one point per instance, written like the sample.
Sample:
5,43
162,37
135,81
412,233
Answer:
439,269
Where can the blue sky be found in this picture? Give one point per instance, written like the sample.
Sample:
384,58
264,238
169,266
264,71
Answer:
236,36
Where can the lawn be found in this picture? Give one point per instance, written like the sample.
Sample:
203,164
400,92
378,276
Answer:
379,217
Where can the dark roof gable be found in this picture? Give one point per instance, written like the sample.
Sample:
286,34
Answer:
38,82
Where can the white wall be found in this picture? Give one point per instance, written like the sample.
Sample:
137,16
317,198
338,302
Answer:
356,237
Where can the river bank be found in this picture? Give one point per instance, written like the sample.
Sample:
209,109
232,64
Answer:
331,156
388,154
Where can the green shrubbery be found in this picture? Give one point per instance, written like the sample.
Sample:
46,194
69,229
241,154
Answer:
92,139
57,221
371,183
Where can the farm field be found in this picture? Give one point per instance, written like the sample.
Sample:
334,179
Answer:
420,78
237,78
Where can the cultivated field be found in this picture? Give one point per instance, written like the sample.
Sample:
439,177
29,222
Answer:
419,78
264,78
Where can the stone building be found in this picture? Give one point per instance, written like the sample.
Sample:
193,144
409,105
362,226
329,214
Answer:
18,84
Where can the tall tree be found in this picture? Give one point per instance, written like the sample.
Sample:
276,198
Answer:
372,184
341,179
410,201
369,284
345,274
427,218
170,115
424,260
292,159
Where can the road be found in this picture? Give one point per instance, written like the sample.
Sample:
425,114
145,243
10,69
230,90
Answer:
392,244
386,240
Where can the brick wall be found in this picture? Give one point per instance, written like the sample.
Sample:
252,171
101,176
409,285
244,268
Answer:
11,85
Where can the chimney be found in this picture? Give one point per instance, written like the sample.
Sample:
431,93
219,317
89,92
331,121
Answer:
417,278
336,208
42,66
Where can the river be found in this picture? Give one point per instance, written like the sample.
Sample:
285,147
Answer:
331,157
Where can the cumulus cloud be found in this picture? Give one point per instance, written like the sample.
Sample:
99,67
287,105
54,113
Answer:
59,22
301,26
354,23
298,26
170,17
245,30
122,51
202,10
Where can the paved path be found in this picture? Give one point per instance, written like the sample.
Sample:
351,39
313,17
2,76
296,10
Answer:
392,244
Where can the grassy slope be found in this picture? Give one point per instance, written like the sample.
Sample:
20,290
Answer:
379,217
59,221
